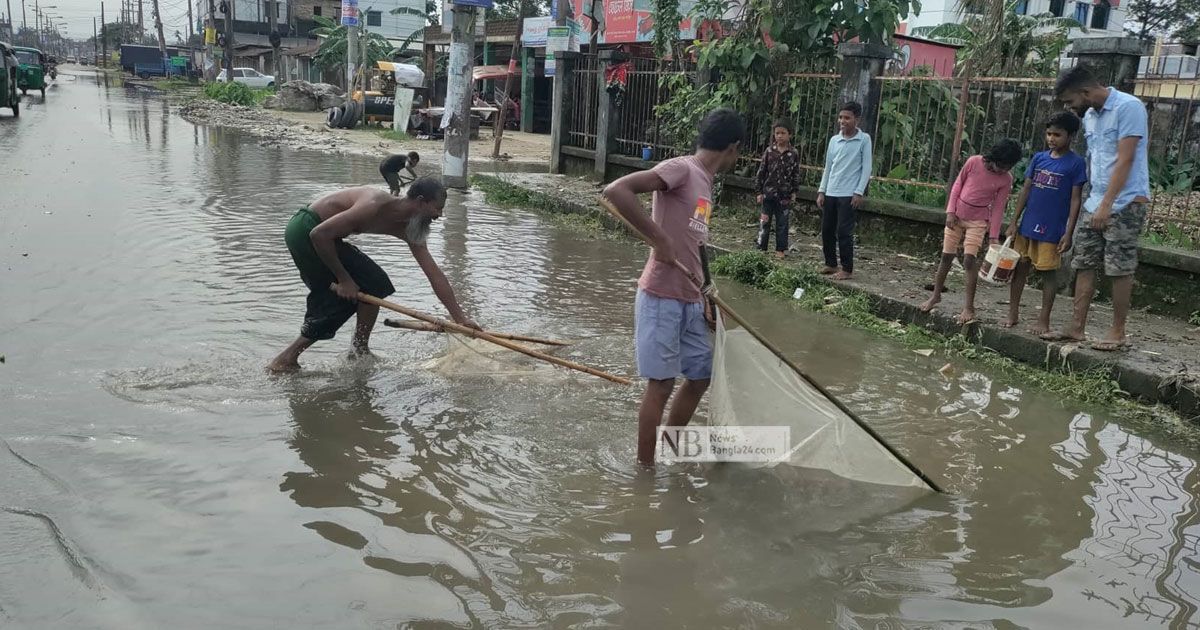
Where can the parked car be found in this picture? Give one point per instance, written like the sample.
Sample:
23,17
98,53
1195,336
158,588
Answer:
250,77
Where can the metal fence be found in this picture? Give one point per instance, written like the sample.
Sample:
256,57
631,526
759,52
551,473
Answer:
926,127
1174,151
584,103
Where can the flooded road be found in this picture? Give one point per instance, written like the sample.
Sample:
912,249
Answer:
153,476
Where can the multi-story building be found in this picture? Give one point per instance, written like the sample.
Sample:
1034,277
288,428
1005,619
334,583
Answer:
1103,18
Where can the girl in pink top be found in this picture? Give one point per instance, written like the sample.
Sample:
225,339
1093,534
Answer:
976,207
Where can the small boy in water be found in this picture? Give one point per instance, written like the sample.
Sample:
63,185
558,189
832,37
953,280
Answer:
1046,213
975,210
671,315
390,169
778,176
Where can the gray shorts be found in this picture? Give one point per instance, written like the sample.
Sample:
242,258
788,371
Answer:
1113,249
672,338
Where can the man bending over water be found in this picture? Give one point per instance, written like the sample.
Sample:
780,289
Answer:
314,238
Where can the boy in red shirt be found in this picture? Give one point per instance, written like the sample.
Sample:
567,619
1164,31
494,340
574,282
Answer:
672,334
975,208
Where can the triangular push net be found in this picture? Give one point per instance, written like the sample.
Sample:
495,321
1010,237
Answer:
753,387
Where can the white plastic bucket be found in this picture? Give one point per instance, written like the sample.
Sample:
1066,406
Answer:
999,264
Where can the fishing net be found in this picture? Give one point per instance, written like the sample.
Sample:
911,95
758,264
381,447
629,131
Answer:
752,387
465,356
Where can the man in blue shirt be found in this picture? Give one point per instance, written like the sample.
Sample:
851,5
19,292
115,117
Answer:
1106,236
843,184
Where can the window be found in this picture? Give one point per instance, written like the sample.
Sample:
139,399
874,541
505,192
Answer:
238,72
317,10
374,18
1100,15
1022,7
1081,12
1058,7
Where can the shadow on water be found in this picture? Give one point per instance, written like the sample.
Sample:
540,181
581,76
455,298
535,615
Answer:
154,285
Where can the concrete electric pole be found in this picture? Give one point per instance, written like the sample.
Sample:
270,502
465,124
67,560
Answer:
456,119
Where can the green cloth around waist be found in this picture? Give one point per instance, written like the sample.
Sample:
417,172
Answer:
299,244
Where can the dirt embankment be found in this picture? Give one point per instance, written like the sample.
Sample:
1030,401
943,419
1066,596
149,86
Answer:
307,130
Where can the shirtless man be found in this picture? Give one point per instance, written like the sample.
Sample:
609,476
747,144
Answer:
314,238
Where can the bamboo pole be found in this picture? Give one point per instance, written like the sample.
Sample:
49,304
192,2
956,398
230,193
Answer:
427,327
779,354
478,334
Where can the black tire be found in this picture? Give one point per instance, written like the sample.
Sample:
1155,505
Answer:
143,76
16,107
353,115
24,91
43,94
332,116
271,84
347,116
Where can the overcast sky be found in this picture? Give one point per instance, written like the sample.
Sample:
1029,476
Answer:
77,14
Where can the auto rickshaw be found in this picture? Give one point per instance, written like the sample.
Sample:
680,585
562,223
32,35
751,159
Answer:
9,66
32,75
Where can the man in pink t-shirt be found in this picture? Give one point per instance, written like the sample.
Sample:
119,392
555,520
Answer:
670,311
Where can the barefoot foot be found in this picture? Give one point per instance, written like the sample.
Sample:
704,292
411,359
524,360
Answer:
825,271
283,367
1008,322
965,317
930,303
1039,329
842,275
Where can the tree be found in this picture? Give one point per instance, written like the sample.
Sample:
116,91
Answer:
331,52
508,9
117,33
1008,44
1148,18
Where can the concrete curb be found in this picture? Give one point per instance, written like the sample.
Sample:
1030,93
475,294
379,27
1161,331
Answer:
1148,385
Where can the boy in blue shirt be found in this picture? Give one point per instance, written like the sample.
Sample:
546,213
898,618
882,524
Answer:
1046,213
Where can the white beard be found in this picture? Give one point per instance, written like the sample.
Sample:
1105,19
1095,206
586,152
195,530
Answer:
417,230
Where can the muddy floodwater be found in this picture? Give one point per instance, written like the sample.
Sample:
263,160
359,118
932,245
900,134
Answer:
152,476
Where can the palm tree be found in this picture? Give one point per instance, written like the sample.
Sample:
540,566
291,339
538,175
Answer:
998,41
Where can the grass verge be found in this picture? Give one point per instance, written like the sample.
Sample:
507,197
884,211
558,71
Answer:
393,135
508,195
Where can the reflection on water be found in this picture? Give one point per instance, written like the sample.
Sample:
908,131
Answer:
153,473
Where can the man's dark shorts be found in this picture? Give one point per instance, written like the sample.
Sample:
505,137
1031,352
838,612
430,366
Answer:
326,312
392,178
1113,249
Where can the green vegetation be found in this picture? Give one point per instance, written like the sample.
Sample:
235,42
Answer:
236,93
1091,387
388,133
506,195
1195,318
174,84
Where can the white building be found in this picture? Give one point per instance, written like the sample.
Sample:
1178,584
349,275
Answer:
1103,18
255,16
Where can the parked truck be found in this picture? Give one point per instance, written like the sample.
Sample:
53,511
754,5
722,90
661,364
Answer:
148,57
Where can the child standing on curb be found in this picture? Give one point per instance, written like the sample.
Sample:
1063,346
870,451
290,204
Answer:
975,210
1046,213
843,184
778,177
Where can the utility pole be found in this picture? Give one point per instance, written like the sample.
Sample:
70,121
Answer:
513,54
23,25
103,36
95,42
141,24
456,119
228,4
162,41
191,25
350,20
210,26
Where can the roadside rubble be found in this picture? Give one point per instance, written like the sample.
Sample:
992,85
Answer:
272,131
